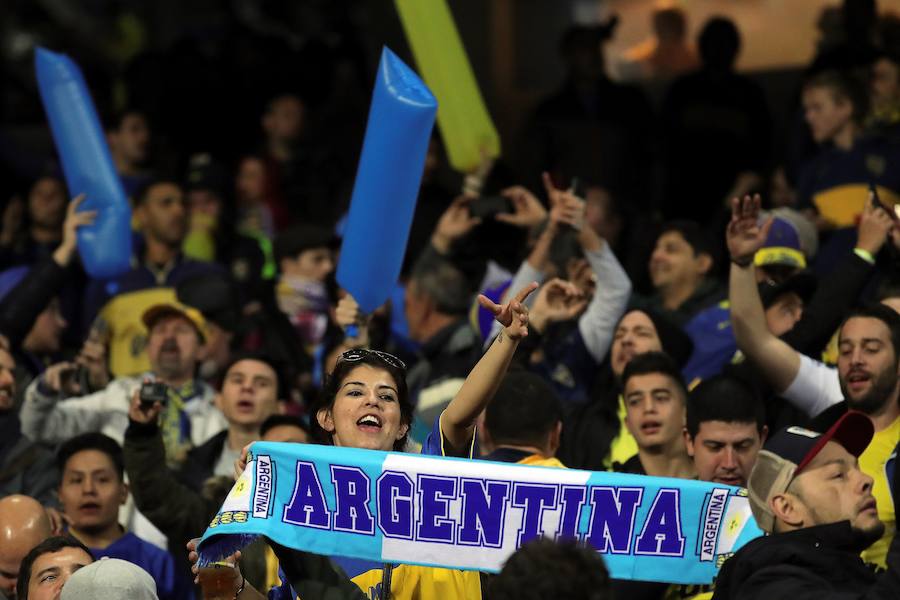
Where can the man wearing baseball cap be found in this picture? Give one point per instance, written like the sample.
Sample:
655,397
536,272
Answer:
785,288
175,345
807,491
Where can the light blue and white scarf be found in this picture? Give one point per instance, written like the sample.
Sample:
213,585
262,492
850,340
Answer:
462,514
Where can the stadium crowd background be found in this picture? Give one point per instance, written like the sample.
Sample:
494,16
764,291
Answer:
717,252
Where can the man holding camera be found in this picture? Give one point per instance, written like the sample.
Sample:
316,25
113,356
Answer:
175,347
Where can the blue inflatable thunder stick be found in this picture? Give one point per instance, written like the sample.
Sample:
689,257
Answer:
104,246
387,183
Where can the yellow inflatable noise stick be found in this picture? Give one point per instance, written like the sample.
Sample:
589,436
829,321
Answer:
465,124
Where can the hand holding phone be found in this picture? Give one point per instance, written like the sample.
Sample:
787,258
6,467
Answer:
153,392
876,200
488,207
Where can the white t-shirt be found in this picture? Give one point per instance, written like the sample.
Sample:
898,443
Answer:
815,388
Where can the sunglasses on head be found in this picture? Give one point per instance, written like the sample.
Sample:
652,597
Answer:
357,354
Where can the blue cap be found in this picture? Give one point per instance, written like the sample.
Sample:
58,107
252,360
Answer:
782,246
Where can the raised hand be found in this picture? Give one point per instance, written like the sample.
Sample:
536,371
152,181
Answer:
744,234
875,225
514,314
140,412
58,521
474,181
454,224
240,463
527,209
557,300
74,219
565,207
93,356
60,378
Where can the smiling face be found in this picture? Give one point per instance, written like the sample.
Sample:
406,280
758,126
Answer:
50,572
655,410
832,489
635,334
366,411
674,262
867,365
249,393
91,491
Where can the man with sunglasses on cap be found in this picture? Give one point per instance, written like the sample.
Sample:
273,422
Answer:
808,492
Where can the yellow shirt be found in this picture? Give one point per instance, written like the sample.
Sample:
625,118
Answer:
623,445
872,462
128,336
407,581
541,461
689,592
411,581
844,203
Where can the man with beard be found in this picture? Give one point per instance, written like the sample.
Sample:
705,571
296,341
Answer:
118,304
808,492
175,346
726,427
867,369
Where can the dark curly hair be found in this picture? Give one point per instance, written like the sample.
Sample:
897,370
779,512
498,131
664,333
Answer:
542,568
333,383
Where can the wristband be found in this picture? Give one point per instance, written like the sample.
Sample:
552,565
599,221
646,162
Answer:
744,262
865,255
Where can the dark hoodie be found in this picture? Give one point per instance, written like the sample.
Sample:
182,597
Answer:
816,563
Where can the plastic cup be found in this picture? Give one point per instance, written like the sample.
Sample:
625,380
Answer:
217,580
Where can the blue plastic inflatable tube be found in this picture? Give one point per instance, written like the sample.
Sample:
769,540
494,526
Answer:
104,246
401,117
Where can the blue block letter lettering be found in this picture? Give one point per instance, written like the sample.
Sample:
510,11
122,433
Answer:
435,494
351,488
572,499
535,498
307,506
662,535
483,512
395,505
612,518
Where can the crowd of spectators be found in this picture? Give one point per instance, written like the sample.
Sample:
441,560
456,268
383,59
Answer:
708,305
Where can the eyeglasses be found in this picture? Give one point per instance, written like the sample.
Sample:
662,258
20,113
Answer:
357,354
